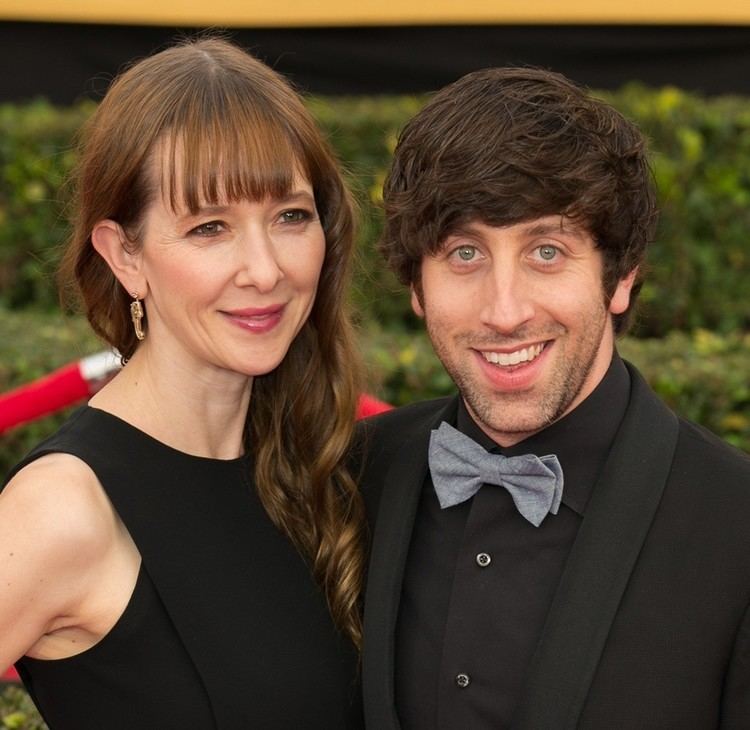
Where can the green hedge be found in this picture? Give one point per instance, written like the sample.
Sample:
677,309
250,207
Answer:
701,155
35,158
17,712
700,262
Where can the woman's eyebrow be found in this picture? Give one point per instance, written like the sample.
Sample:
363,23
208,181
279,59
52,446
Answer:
295,195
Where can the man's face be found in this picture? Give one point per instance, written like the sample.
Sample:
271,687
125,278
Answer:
519,318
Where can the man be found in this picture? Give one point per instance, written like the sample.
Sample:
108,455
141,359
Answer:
616,595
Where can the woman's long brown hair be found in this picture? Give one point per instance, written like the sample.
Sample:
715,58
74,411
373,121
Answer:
232,127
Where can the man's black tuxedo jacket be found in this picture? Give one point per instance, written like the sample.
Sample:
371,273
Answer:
650,624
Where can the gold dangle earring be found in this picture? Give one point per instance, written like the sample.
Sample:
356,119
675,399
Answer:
136,314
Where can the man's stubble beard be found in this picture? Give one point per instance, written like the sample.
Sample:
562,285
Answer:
524,412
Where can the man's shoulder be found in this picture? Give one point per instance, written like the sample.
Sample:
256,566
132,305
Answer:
390,430
703,449
703,463
381,438
706,453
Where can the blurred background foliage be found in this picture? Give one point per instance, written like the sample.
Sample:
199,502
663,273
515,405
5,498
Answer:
17,711
691,338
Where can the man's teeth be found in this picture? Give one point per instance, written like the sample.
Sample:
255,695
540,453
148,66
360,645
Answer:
526,354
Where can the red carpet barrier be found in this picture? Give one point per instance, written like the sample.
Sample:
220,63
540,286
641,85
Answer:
82,379
370,406
61,388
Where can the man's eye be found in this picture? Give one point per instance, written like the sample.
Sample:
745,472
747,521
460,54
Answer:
547,252
466,253
211,228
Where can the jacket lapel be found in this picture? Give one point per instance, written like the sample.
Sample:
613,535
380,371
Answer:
605,551
402,485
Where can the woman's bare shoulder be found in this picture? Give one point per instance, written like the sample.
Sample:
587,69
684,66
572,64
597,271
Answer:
57,528
59,498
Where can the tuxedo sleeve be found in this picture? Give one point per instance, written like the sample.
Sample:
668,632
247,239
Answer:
735,714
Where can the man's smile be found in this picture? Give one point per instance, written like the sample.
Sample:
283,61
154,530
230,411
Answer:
522,355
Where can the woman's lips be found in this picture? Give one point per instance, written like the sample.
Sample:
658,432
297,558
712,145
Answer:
257,320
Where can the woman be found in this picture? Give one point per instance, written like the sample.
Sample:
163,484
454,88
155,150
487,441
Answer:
155,554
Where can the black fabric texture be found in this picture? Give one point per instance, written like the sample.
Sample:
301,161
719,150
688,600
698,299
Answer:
226,628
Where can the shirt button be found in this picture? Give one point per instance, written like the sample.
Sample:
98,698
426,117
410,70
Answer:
483,560
463,680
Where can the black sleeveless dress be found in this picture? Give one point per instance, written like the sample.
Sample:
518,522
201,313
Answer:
225,629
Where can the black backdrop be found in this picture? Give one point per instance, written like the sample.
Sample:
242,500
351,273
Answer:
64,62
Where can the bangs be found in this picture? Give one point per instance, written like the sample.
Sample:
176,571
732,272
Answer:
237,155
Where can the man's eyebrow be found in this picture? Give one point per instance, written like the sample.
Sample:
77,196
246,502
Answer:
543,229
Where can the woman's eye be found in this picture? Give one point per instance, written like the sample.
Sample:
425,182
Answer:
212,228
466,253
297,215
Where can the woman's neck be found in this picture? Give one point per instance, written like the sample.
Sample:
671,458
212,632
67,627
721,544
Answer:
191,407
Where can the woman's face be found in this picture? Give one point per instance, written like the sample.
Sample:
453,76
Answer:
231,286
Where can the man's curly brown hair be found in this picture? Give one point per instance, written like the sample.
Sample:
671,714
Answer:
507,145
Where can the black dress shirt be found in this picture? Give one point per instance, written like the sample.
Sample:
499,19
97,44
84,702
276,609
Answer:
480,579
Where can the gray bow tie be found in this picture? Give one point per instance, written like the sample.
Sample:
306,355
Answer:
459,466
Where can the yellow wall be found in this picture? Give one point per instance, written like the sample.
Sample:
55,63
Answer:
285,13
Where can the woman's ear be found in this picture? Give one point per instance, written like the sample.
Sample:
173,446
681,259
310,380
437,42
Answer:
122,256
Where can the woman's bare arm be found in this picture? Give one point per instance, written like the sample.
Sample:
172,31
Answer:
57,532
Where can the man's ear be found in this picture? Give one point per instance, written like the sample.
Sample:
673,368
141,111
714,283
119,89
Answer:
416,302
122,256
621,298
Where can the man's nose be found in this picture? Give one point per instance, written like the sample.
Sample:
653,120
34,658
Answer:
507,299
